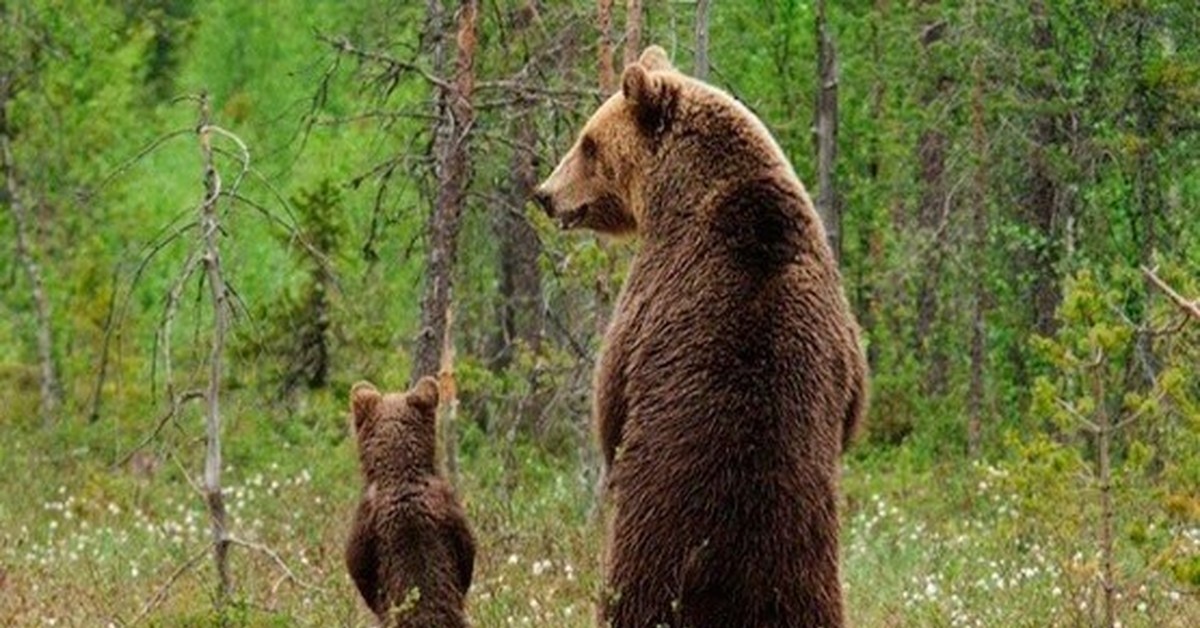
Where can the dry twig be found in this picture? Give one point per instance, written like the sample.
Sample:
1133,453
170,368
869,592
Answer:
1192,308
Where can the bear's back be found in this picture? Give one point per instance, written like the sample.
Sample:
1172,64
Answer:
740,354
426,553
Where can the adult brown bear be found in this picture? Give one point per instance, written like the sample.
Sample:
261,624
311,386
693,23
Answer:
410,552
731,377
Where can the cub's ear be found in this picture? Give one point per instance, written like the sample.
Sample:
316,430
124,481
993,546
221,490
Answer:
654,58
424,396
364,400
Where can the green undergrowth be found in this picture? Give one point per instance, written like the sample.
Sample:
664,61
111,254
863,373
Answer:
952,543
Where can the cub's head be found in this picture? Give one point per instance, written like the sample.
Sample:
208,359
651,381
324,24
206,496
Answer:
395,431
600,183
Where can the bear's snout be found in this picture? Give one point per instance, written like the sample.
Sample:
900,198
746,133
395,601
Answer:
544,200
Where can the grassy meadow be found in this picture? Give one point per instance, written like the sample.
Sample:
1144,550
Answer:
1017,186
924,544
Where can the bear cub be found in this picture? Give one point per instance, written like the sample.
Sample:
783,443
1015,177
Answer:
411,552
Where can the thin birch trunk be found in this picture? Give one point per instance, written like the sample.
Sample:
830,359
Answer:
209,232
51,389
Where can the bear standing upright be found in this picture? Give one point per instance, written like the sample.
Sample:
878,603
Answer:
731,376
410,552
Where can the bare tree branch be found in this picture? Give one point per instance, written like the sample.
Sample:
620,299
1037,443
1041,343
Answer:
161,595
394,68
1192,308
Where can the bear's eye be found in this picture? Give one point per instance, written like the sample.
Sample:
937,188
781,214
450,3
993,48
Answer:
589,147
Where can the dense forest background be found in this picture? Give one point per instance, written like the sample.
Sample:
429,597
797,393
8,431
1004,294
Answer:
215,216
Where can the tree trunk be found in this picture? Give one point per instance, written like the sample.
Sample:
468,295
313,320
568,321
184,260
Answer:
701,69
520,273
448,400
456,115
51,390
608,78
1147,195
931,217
452,128
975,396
1044,193
871,238
210,229
826,127
1104,432
633,31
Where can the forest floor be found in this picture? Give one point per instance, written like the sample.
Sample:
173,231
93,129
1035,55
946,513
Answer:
86,542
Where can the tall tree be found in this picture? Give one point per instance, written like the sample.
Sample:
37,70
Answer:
452,127
11,195
871,238
1044,198
933,206
519,247
979,225
1148,203
826,128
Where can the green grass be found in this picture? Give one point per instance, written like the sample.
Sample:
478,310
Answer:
87,543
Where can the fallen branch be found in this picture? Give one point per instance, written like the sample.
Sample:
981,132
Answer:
161,594
279,562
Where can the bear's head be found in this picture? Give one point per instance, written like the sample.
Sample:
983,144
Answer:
396,432
599,184
657,149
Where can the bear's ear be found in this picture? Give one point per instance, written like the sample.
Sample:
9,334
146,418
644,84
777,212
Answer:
424,396
364,399
655,59
647,93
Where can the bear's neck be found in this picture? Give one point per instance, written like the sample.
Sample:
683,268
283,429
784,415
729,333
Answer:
699,174
411,461
713,146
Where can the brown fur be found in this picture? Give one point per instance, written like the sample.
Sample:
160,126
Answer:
410,552
731,377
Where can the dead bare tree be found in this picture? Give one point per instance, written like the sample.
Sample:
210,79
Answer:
700,70
521,319
825,128
210,226
11,195
204,259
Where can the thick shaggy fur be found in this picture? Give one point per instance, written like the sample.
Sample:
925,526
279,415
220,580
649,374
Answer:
410,551
731,376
